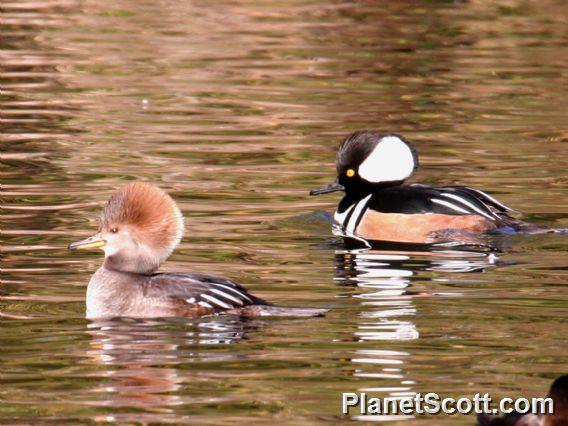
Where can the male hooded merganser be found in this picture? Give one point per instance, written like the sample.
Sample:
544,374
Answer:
558,393
371,169
140,227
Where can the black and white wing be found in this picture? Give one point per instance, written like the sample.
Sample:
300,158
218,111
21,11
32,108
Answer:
484,197
420,199
472,201
205,291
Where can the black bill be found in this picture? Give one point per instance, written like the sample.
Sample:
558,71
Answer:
332,187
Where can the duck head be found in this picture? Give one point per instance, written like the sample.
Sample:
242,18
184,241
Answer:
140,227
369,160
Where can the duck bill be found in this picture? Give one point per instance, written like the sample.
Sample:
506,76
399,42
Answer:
90,243
332,187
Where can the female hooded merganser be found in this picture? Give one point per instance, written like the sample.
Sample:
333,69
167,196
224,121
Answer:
371,169
558,393
140,227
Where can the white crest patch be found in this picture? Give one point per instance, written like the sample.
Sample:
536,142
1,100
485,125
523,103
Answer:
391,160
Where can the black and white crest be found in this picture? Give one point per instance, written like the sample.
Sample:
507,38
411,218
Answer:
377,158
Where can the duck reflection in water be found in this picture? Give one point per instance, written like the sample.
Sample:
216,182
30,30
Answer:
383,276
140,361
388,267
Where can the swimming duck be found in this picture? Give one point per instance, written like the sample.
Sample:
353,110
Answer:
371,170
139,228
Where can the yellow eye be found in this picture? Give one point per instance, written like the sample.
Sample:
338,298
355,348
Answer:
350,173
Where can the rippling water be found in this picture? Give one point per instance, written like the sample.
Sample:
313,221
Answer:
236,109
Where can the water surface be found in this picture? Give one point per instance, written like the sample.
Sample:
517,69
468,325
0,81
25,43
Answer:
236,109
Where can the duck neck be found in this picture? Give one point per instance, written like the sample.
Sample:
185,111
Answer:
140,264
353,195
111,293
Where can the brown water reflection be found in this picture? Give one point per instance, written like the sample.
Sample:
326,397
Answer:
236,108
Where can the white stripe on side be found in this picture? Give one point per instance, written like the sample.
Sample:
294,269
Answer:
216,301
357,213
234,290
226,296
340,217
468,204
450,206
205,304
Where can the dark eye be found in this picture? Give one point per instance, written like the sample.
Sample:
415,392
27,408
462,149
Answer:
114,230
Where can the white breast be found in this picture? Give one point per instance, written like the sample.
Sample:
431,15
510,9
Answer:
340,217
358,209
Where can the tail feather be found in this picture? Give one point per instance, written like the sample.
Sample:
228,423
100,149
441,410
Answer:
526,227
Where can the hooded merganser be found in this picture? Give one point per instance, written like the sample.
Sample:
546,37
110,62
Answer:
558,393
371,169
140,227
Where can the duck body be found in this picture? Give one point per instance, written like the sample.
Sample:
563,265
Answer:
140,227
126,294
420,214
378,205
